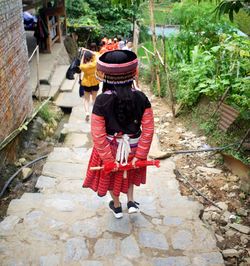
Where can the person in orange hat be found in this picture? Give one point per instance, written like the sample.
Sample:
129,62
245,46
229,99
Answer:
115,44
103,48
110,45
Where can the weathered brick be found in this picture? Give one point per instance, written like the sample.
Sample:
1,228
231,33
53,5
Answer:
15,95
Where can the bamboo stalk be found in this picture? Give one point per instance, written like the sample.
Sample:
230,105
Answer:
96,168
143,47
152,22
168,154
165,68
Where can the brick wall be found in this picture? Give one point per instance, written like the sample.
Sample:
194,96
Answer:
15,93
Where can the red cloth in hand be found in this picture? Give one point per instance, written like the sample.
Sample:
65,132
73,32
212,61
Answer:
112,166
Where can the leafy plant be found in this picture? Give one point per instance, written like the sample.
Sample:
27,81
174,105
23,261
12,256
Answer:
93,20
46,114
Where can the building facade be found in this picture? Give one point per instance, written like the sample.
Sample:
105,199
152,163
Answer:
15,92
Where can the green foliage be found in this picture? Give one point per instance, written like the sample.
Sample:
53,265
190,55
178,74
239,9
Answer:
82,19
93,19
206,58
229,7
189,11
161,12
127,3
77,8
46,114
242,19
115,20
212,71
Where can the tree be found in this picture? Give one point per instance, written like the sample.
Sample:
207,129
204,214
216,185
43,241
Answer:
232,6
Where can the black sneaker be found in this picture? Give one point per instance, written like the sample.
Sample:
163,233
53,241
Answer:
116,211
132,207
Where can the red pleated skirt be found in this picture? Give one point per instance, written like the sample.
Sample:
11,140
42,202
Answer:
101,182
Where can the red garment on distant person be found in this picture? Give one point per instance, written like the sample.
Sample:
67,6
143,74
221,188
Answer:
110,46
103,50
115,45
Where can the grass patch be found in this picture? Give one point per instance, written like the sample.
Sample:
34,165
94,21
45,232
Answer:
49,114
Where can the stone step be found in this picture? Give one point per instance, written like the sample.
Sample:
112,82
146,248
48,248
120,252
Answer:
52,89
48,62
69,155
75,128
57,204
78,115
68,85
59,75
76,228
69,99
44,91
62,170
78,140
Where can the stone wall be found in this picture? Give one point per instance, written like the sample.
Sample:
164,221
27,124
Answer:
15,92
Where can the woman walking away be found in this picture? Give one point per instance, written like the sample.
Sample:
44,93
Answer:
90,85
122,127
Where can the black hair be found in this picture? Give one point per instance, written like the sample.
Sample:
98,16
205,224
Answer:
93,47
87,56
124,102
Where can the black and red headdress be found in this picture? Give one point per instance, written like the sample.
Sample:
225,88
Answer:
117,67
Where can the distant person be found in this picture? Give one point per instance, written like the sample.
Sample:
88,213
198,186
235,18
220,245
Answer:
128,46
115,44
90,85
121,43
93,47
103,47
110,45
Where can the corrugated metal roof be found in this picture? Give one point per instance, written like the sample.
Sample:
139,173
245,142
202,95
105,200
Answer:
227,116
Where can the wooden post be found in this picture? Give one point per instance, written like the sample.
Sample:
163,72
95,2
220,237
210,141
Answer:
151,8
58,29
135,37
244,138
48,40
65,19
166,71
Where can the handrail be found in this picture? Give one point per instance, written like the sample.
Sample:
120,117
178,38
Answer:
37,47
36,50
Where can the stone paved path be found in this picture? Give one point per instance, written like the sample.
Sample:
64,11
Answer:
67,225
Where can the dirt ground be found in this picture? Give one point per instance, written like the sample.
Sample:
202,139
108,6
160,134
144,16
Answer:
220,187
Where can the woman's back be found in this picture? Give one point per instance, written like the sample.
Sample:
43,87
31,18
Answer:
127,118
